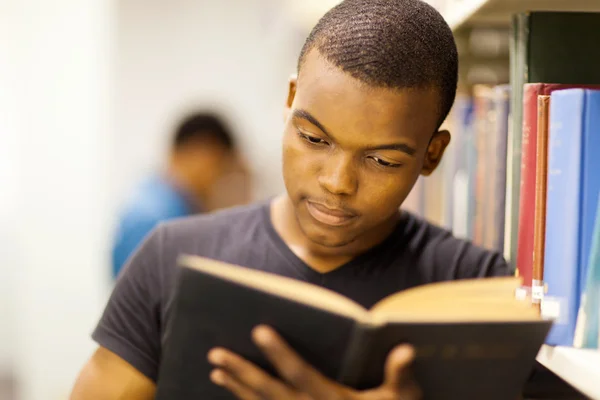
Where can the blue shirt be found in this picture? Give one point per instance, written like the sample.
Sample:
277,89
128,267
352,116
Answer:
156,200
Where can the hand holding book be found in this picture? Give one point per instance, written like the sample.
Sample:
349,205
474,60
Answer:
472,339
300,380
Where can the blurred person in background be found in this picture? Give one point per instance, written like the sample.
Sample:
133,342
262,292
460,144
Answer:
204,172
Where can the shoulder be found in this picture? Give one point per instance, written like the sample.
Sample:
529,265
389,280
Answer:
443,256
213,226
223,235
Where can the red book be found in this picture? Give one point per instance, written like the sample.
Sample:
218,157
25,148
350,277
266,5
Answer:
531,91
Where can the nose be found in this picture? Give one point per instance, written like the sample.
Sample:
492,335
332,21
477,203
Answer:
338,175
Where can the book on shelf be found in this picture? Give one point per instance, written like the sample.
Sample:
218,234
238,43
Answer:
473,338
545,46
528,185
572,196
461,118
587,328
539,217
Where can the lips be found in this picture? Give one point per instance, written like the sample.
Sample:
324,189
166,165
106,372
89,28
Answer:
328,215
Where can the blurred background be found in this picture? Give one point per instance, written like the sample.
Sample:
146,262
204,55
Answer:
90,93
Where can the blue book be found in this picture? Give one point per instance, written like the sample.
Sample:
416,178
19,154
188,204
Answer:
587,333
460,182
573,146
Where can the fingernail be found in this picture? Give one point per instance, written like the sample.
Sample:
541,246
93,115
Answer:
216,376
261,335
215,357
404,352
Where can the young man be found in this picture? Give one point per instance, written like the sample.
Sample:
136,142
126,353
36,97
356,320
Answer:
376,78
202,153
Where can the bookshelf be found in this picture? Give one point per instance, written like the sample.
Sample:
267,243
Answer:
578,367
461,13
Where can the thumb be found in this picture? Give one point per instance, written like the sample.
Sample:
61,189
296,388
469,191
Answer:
397,366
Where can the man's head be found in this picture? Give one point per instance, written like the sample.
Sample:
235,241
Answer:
376,78
202,148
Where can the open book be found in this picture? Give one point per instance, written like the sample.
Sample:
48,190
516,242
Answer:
474,339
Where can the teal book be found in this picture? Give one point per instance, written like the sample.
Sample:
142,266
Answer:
572,197
588,321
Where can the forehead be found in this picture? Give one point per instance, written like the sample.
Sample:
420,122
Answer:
346,105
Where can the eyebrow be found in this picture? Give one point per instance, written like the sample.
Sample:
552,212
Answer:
411,151
303,114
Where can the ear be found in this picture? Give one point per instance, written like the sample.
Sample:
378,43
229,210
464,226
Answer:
293,82
435,151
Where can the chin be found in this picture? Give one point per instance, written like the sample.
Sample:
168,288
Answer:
326,236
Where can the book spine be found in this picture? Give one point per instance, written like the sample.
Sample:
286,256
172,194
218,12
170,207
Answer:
482,95
471,175
501,99
527,183
591,180
539,234
490,169
519,76
563,213
357,353
456,127
460,183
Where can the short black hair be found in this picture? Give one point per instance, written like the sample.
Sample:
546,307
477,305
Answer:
389,43
202,125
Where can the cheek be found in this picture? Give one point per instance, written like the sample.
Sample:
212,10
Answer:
300,164
384,194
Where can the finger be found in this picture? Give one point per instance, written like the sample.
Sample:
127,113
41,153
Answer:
248,374
398,380
291,367
397,366
221,378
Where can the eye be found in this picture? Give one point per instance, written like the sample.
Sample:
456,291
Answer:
384,163
312,139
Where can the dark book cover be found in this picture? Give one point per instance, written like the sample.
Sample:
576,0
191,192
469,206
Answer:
454,359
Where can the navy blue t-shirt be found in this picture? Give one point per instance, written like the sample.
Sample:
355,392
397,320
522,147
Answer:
134,322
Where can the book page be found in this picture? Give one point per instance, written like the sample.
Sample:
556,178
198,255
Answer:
292,289
487,299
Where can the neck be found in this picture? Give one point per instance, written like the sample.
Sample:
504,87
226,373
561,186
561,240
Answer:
317,256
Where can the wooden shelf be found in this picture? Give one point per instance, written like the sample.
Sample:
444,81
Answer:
461,13
580,368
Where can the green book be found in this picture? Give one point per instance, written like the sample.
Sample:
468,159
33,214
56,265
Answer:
546,47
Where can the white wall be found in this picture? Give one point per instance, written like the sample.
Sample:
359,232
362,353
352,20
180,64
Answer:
173,55
58,55
8,203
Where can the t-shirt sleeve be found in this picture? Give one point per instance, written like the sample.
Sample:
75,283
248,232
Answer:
129,326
